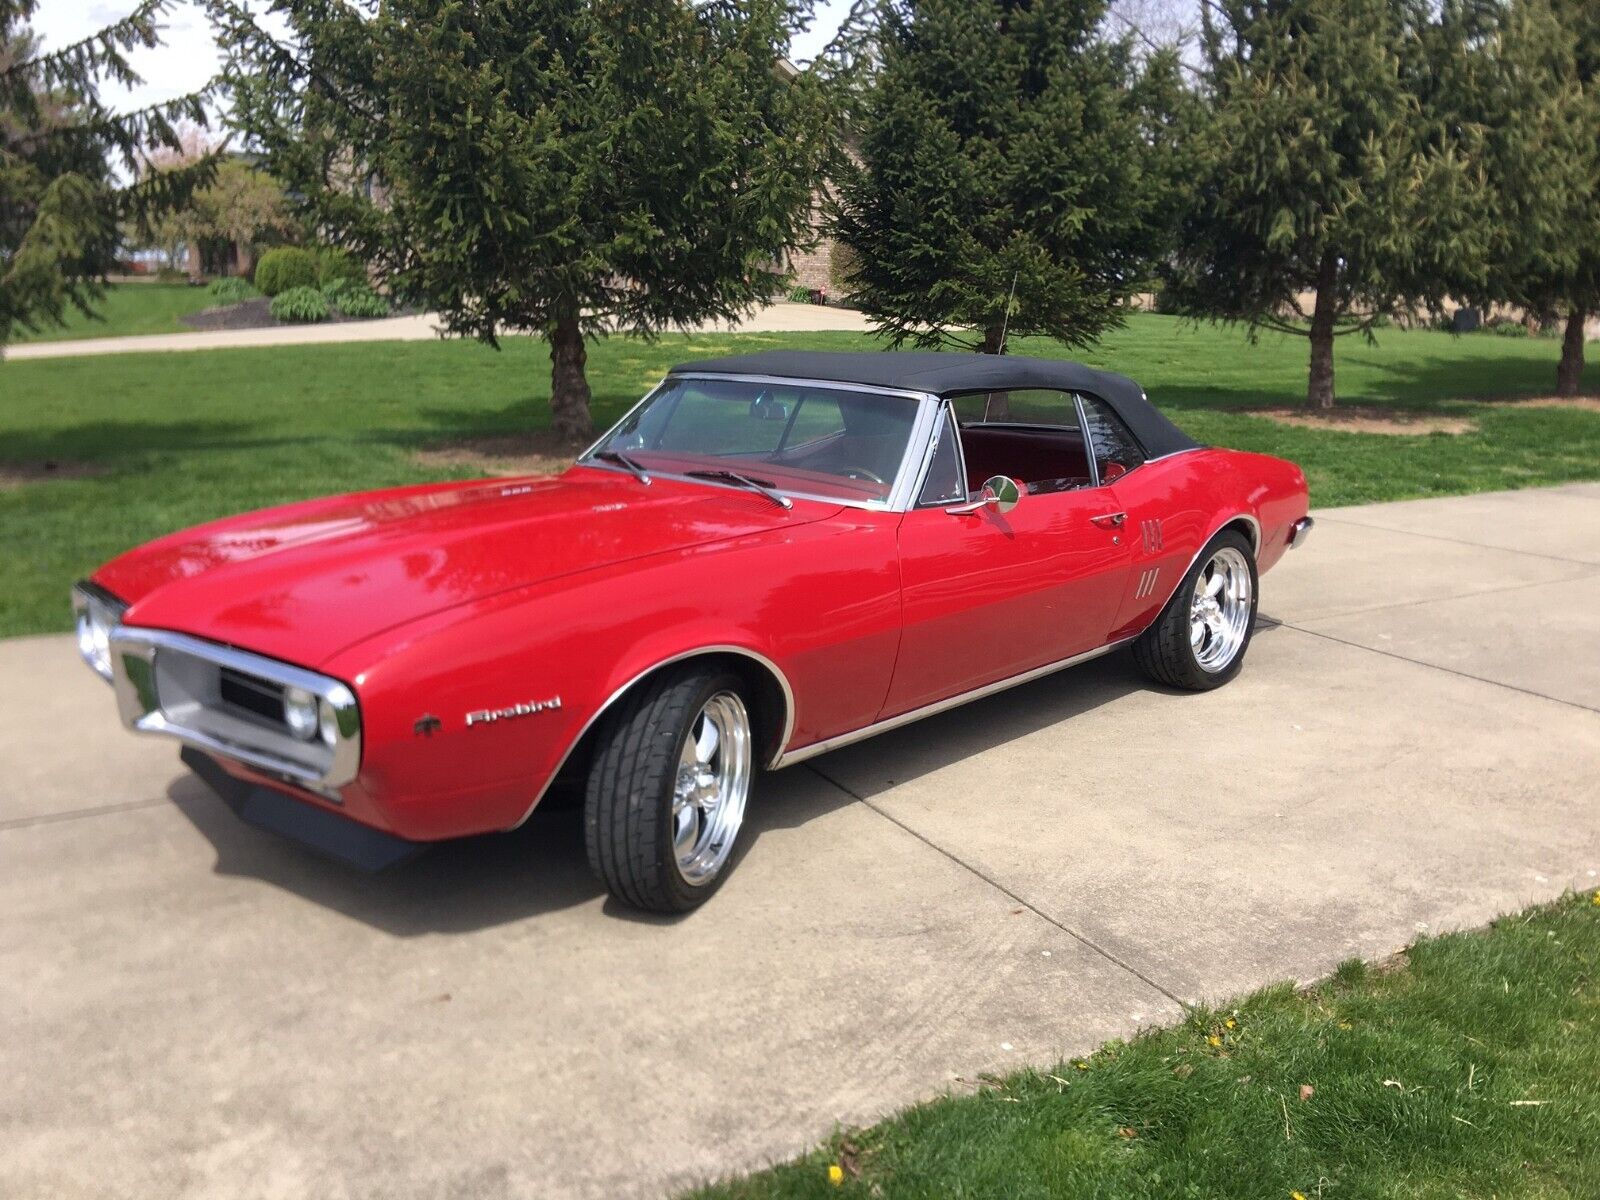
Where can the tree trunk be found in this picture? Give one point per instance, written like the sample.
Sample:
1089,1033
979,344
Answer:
1319,387
569,386
997,405
1569,375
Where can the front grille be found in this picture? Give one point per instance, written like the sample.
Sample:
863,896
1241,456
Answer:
247,693
230,703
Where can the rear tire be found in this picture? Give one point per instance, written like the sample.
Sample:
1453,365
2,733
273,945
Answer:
1199,640
667,789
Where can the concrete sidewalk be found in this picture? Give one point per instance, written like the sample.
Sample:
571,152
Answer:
192,1008
778,318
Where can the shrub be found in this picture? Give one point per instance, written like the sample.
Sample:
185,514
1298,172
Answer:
301,305
800,295
336,267
1514,329
284,268
356,300
171,275
231,289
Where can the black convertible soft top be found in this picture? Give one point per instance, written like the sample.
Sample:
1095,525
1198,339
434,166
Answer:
951,374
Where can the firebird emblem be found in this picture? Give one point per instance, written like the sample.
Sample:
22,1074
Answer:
487,716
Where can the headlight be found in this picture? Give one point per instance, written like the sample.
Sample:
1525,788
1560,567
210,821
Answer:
300,713
98,612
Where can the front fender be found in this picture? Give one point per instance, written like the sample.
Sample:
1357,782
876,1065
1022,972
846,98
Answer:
819,609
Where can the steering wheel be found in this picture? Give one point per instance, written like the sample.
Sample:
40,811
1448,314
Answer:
863,473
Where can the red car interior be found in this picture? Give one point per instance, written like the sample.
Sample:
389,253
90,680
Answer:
1035,456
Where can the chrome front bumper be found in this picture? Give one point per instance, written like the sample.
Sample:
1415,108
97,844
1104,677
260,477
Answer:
173,684
1300,531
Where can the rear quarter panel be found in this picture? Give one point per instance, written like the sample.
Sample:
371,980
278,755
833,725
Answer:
1177,504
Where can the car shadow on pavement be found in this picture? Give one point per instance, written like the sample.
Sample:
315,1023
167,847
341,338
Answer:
453,887
481,882
903,755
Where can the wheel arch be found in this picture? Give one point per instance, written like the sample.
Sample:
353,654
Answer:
1244,523
767,689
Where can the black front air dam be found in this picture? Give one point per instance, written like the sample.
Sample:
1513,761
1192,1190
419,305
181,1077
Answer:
327,833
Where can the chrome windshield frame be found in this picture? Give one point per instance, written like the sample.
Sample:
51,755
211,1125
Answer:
902,490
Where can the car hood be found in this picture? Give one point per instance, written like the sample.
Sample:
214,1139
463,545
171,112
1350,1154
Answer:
303,582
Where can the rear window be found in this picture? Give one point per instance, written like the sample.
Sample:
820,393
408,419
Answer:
1116,450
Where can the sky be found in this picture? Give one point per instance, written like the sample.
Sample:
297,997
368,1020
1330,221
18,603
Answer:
188,57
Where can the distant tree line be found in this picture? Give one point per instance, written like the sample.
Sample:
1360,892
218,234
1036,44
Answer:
993,168
1316,167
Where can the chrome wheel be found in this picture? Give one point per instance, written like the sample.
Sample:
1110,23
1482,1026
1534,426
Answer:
1219,614
713,784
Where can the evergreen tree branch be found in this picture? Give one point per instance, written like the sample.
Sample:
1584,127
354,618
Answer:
89,58
130,134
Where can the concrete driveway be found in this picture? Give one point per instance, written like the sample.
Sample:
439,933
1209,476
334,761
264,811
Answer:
190,1008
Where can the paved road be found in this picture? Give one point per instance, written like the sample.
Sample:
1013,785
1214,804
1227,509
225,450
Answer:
190,1008
778,318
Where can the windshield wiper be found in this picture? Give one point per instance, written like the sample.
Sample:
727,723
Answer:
754,485
618,457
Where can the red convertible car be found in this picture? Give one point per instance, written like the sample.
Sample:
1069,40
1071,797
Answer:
770,556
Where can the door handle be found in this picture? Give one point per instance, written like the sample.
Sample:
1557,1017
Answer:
1110,520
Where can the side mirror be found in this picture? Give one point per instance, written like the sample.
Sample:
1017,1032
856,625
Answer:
1000,492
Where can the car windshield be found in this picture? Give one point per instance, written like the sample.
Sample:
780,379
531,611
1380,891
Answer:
792,437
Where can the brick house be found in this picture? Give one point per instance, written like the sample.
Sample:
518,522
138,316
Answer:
813,267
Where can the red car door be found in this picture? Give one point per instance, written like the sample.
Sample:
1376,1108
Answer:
989,595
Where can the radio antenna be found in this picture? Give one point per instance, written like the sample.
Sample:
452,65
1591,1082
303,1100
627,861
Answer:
1005,319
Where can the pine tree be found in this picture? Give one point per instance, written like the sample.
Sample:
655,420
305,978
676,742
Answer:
1014,169
1522,81
565,167
61,206
1317,175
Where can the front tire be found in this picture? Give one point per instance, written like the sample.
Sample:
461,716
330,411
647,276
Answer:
668,787
1199,640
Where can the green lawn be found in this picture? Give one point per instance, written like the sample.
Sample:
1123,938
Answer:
128,309
183,437
1472,1069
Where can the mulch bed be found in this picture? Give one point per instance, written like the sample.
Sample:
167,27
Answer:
15,474
498,457
1581,403
1356,418
257,314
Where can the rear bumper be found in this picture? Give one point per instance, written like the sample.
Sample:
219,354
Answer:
318,829
1300,531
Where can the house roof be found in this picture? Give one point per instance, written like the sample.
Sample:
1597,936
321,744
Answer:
950,374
